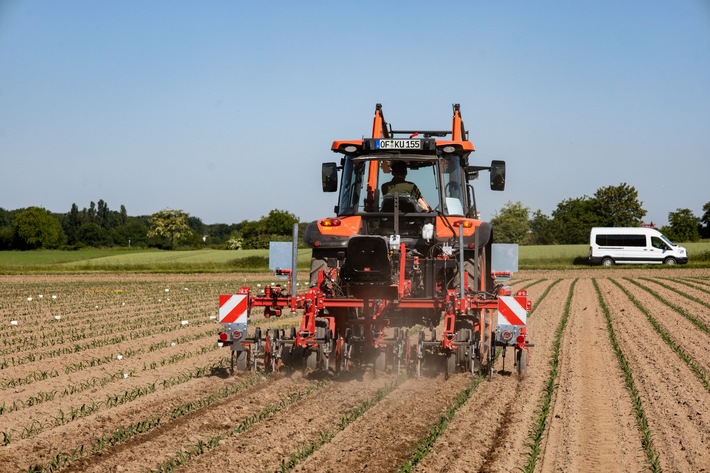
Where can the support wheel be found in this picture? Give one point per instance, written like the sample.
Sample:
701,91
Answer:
240,360
380,360
312,359
451,363
521,359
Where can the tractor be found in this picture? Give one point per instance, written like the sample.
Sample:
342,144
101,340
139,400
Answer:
404,251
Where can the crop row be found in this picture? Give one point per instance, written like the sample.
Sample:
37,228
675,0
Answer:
95,381
682,354
652,456
112,400
43,334
123,433
545,403
96,343
41,375
301,454
694,320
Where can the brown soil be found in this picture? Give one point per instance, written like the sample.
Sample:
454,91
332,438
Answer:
591,425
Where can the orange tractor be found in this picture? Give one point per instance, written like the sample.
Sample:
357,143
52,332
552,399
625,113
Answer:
404,251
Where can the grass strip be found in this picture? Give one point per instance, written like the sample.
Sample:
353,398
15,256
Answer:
425,445
325,437
185,455
123,433
687,359
535,436
652,456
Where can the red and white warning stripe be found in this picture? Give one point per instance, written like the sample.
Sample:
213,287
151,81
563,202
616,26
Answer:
233,308
511,311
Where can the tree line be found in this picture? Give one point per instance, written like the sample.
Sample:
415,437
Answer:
98,226
571,221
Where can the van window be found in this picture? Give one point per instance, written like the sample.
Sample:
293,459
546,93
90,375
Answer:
659,243
621,240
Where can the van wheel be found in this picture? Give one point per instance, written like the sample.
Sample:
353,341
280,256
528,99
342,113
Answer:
607,262
669,261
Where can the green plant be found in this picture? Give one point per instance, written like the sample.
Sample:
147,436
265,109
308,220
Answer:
687,359
545,404
694,320
652,455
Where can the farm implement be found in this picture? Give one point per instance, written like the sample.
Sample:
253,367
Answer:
404,252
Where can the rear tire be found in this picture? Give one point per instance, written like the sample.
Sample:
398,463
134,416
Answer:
607,262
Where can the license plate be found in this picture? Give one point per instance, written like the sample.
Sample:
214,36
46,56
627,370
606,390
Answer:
399,144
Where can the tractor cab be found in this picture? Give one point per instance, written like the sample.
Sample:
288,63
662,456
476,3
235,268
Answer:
410,188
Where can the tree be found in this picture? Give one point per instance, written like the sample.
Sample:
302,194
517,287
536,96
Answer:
170,225
92,234
512,224
618,206
542,229
573,219
683,226
122,216
280,222
6,218
71,224
133,233
90,214
102,215
254,234
35,228
704,227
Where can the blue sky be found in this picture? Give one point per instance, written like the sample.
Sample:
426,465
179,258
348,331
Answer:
226,109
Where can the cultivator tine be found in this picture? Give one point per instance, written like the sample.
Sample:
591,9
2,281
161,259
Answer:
420,353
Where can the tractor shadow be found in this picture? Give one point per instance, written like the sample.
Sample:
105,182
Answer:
221,372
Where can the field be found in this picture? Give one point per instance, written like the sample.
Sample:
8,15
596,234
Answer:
121,372
211,260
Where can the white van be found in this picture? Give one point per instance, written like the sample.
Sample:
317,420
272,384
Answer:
633,245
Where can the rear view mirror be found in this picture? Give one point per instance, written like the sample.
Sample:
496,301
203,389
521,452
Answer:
330,177
497,175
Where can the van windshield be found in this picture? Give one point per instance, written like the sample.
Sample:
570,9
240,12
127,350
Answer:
664,238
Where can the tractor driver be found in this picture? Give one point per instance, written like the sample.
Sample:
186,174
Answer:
398,184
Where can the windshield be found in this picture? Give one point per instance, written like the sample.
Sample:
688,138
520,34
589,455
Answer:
454,185
426,179
664,238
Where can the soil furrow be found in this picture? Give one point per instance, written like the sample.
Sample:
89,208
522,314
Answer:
487,433
671,394
139,453
591,425
21,453
387,433
293,428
